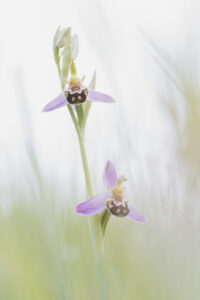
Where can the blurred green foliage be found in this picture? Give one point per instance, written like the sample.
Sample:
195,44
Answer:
46,253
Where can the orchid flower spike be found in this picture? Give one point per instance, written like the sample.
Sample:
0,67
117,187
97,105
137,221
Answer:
112,200
76,93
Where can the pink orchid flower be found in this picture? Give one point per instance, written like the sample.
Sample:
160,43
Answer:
113,199
76,93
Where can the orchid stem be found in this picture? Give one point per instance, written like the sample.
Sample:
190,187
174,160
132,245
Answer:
94,221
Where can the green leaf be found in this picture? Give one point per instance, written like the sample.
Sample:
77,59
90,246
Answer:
104,218
80,115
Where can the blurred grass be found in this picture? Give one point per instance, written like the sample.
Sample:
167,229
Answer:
46,253
181,98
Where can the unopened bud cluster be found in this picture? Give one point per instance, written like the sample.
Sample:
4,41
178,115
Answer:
65,48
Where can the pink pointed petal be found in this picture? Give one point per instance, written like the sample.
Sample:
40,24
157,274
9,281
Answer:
99,97
109,175
136,215
56,103
93,205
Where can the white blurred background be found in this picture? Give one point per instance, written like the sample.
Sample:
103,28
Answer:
131,132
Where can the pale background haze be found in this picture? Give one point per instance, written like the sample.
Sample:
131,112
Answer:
127,132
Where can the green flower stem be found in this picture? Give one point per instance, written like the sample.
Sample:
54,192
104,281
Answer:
94,221
80,115
83,154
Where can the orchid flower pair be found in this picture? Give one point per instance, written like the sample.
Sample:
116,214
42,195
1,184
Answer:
113,199
75,97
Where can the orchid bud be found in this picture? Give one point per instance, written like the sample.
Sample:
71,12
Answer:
63,37
66,64
56,36
74,46
56,49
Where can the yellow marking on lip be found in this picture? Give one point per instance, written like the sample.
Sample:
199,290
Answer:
118,211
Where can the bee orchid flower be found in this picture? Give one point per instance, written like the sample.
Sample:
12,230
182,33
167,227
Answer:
76,93
112,200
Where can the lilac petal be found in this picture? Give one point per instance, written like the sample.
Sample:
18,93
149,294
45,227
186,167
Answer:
93,205
109,175
99,97
136,215
56,103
